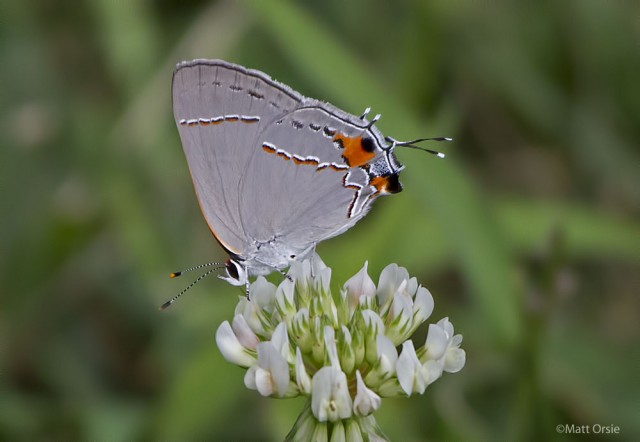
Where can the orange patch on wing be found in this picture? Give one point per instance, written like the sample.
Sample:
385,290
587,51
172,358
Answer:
268,148
304,161
354,152
381,183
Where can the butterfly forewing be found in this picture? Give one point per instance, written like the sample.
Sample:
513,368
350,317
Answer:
220,109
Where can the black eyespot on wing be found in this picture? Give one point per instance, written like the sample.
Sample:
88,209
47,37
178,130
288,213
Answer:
368,145
393,184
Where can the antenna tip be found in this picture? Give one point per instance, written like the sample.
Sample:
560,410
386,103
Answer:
440,155
175,274
448,139
165,305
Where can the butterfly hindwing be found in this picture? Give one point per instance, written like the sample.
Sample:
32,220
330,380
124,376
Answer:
302,187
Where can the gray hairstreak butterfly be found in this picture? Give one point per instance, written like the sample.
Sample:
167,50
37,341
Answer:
275,173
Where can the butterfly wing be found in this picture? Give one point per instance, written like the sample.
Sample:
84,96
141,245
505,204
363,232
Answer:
220,108
310,180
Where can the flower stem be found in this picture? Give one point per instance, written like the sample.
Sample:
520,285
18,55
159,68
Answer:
307,428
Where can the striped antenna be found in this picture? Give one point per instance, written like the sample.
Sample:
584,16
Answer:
197,280
209,264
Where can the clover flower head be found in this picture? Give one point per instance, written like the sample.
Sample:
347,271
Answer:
341,352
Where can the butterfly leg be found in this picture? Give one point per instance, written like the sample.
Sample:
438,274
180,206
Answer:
314,257
285,275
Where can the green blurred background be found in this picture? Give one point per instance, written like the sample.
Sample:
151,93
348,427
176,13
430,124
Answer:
527,234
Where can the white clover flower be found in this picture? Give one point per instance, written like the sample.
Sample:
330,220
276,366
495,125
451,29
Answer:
403,304
330,398
411,375
359,289
303,381
366,400
271,374
243,332
442,348
385,366
342,352
231,348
